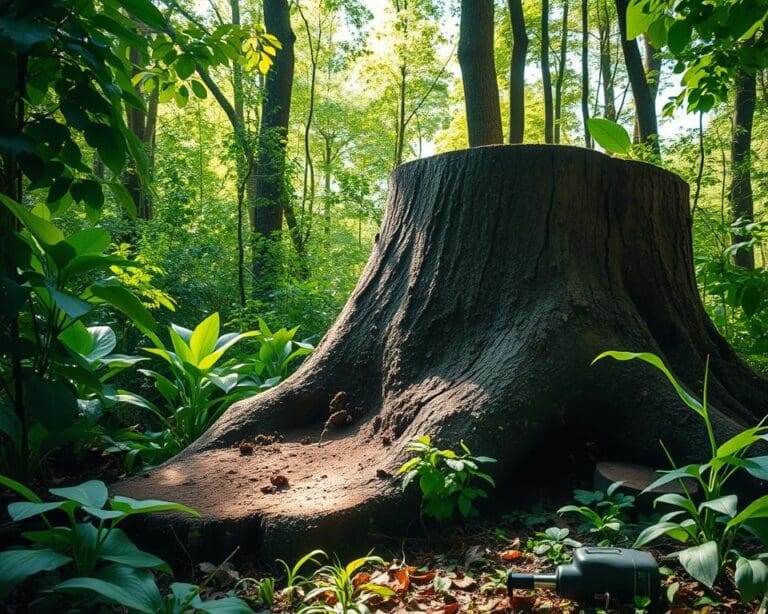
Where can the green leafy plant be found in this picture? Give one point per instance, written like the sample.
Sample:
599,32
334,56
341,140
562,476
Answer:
55,370
277,352
446,479
335,589
603,512
553,544
89,542
710,527
295,581
201,386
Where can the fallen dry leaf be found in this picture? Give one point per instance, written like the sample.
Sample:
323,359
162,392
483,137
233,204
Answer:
424,578
400,580
511,555
465,583
361,578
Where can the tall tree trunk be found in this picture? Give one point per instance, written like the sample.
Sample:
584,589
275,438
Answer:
512,306
645,106
143,125
400,128
327,171
606,60
308,187
517,71
561,74
741,162
478,73
585,72
652,67
546,78
271,194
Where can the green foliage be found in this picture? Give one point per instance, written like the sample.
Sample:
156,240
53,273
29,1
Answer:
89,545
604,513
553,543
201,385
610,136
710,527
445,478
710,40
295,581
277,352
338,580
48,352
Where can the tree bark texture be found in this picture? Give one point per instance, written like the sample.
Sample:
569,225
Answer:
498,275
645,104
270,190
478,73
742,205
517,72
546,77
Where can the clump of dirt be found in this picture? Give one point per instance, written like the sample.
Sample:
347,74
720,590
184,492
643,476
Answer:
246,447
383,474
277,483
267,440
340,413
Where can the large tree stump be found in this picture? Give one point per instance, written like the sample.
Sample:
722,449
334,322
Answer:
499,274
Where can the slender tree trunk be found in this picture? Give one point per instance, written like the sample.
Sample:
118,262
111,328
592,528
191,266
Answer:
271,194
308,188
478,73
561,74
606,61
645,107
585,71
517,72
327,193
546,78
741,162
400,128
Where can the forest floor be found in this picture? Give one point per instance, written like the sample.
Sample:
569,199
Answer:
464,571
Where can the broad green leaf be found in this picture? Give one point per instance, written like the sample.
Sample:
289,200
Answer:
740,442
671,529
104,341
609,135
77,338
203,339
681,473
678,36
146,12
226,605
123,198
125,301
119,549
92,493
146,506
52,404
58,538
22,33
638,21
214,357
654,360
89,241
73,306
110,144
94,262
17,565
723,505
702,562
21,510
185,66
757,509
124,586
751,578
43,230
677,500
102,514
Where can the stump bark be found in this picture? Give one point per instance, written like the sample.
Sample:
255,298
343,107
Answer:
499,274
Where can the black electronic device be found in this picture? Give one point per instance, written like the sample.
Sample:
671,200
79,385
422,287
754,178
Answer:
597,574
